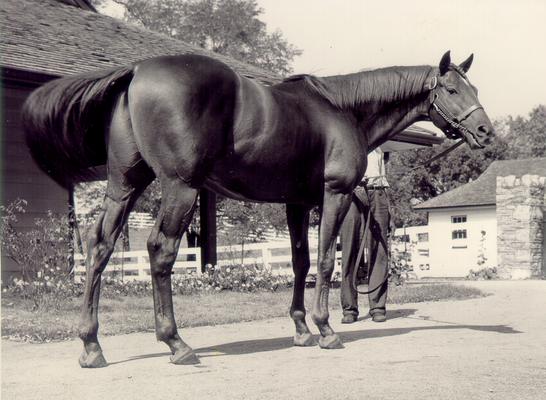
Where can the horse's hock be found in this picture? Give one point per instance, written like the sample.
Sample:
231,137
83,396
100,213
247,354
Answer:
521,226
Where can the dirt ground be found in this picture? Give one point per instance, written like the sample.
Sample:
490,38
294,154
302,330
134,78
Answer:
487,348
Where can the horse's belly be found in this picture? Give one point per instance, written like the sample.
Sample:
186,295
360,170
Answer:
255,184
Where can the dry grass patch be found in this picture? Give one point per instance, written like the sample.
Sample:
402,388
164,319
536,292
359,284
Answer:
129,314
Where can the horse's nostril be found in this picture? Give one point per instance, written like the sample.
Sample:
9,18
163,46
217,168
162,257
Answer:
483,129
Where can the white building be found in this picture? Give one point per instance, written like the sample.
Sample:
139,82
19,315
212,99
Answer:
494,221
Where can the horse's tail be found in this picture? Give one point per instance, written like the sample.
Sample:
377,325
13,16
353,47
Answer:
65,122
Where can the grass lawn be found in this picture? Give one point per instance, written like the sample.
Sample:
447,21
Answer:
135,314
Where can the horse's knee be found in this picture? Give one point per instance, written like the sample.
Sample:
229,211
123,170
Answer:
161,258
326,267
98,256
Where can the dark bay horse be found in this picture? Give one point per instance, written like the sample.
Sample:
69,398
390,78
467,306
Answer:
194,123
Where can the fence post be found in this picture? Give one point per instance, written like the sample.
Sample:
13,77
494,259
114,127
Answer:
142,265
267,256
198,261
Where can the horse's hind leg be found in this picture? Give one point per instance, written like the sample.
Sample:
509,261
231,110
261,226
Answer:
177,206
128,176
115,210
298,224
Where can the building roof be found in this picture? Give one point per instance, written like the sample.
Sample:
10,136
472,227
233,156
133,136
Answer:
411,138
57,39
482,191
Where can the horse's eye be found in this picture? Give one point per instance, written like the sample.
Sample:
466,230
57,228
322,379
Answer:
452,90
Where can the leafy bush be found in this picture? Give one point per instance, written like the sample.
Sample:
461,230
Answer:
43,254
53,292
399,266
484,274
215,279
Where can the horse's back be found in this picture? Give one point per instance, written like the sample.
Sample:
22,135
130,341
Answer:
195,119
182,110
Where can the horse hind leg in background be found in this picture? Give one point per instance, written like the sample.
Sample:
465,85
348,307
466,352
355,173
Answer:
128,176
297,217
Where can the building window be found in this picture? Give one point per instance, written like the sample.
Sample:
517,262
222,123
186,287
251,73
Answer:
422,237
458,234
458,219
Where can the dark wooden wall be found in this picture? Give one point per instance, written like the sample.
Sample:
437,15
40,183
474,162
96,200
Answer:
20,177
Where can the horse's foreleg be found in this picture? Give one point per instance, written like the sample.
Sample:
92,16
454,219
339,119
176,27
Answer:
335,206
298,224
177,206
100,247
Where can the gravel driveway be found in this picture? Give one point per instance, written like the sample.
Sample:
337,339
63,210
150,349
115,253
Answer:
487,348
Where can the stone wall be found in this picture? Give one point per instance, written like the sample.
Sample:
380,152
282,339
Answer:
520,226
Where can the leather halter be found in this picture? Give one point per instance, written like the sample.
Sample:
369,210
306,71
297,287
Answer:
454,122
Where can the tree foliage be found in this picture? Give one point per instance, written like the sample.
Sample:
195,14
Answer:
229,27
527,136
245,221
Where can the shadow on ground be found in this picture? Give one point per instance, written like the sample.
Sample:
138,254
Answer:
263,345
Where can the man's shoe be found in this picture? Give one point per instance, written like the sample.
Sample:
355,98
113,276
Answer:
348,319
379,317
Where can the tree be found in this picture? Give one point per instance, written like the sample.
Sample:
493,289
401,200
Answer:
528,135
229,27
245,221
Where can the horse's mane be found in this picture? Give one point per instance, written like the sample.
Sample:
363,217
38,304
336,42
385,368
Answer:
380,85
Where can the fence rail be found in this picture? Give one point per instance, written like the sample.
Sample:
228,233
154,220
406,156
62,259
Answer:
275,256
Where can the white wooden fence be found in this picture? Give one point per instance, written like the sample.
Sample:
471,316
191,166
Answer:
275,255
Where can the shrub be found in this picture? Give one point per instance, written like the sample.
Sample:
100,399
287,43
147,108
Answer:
43,253
483,274
399,267
215,279
54,292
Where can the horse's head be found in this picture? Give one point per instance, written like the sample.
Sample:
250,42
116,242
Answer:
455,107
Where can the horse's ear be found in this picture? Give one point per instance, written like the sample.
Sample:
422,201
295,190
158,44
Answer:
465,65
445,62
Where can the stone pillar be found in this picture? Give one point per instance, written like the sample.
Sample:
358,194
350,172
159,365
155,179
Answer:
520,225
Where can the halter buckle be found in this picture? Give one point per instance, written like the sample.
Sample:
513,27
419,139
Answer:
433,83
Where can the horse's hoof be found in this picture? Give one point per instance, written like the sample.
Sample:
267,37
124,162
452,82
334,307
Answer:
185,357
95,359
304,340
330,342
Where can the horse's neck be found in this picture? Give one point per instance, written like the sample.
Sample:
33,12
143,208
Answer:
385,101
390,121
